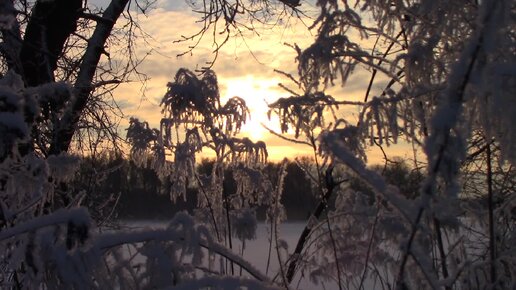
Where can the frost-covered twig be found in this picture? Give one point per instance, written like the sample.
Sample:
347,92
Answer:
446,118
380,61
283,137
210,207
303,238
213,282
77,216
111,240
369,246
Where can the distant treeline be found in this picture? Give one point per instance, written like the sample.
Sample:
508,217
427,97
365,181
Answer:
116,188
140,194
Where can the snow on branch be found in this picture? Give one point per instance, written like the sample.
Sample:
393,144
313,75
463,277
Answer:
227,283
304,112
191,100
342,147
77,216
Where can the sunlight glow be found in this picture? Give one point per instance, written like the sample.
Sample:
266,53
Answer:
256,93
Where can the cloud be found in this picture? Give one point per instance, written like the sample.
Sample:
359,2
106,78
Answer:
173,5
244,66
253,53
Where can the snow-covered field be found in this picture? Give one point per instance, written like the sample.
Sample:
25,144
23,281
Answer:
257,251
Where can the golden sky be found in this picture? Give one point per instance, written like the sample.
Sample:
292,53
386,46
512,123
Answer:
244,67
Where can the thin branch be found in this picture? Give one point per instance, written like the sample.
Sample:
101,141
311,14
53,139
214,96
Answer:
456,96
492,241
285,138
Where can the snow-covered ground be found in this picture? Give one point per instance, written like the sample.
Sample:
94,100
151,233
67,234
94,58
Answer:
257,251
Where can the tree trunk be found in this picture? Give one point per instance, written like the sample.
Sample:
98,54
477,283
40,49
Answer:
50,25
12,41
66,127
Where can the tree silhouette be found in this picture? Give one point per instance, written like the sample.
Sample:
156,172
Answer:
433,74
52,62
444,83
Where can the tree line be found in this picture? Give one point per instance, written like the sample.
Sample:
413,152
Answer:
119,189
138,193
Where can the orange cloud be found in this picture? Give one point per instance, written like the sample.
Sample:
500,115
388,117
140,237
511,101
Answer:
244,66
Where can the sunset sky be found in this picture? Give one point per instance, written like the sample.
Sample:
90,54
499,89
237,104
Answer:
244,67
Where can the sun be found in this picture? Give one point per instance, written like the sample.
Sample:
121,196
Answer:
257,93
